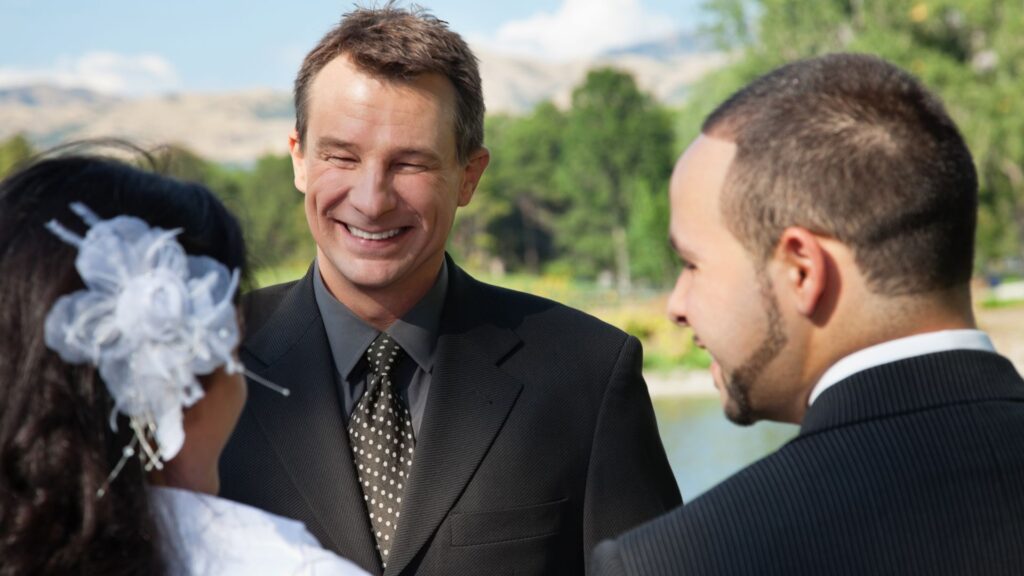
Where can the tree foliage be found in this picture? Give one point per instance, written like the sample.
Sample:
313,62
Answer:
580,191
618,155
13,152
263,197
970,53
513,217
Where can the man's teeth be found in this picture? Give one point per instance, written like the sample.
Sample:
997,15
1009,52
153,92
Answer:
373,235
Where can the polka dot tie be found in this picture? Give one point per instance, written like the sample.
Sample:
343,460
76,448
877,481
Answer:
382,439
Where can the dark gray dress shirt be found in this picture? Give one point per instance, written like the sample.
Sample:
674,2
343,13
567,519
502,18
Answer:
416,333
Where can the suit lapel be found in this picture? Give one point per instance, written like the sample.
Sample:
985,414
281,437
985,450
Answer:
306,430
470,399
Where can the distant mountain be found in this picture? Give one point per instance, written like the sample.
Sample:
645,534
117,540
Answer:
235,127
44,95
238,127
515,85
667,48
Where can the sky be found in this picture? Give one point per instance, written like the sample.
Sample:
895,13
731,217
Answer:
138,47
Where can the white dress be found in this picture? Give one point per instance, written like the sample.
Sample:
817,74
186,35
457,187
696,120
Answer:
206,535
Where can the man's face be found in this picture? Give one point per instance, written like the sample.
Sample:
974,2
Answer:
382,181
726,299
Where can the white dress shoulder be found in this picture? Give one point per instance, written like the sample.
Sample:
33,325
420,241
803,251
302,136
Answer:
206,535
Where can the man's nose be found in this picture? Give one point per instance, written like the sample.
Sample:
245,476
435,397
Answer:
677,301
372,195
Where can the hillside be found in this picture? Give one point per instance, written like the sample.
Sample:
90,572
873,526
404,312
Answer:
238,127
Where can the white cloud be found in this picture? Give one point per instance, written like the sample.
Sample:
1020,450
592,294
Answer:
106,72
581,28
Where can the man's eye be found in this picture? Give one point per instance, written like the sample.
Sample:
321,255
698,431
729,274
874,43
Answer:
409,167
341,160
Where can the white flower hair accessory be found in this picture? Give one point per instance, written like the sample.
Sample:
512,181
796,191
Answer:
151,318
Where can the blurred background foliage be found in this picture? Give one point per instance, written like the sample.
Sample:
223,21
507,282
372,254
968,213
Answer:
970,52
574,205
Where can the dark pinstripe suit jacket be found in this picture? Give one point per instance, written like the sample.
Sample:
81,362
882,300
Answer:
538,437
915,467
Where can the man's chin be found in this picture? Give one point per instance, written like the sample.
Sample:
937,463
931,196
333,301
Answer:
373,278
735,400
377,285
737,415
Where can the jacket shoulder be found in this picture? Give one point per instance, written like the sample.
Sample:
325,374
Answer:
724,531
528,312
259,305
873,483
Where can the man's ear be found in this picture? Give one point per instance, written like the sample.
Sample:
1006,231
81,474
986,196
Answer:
804,265
474,169
298,160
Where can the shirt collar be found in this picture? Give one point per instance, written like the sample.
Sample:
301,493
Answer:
416,332
348,336
900,349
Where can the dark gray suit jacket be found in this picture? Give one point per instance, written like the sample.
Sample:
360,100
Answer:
914,467
538,437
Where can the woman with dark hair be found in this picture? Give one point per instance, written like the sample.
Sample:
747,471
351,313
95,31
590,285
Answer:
118,381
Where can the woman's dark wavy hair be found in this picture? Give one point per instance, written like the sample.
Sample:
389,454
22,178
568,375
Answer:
56,444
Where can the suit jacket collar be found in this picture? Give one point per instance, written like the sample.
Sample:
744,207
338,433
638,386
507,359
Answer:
294,317
470,399
306,430
914,384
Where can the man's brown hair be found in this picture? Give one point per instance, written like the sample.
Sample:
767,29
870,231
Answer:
399,44
852,147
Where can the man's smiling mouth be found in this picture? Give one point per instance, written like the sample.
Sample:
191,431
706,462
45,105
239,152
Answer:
366,235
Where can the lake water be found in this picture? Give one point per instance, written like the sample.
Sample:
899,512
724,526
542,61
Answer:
704,448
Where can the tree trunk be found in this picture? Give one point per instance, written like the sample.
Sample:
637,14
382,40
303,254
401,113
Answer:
621,246
528,218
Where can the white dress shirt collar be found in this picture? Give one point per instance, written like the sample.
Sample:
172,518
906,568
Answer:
900,349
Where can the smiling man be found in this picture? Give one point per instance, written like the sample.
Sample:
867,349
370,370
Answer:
826,219
436,425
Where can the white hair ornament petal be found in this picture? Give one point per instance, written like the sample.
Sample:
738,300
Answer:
151,319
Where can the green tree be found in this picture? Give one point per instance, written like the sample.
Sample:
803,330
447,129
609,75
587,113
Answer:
472,240
182,163
263,197
534,153
618,147
516,207
273,213
650,255
13,152
970,53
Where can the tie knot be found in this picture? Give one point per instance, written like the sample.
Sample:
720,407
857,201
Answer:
382,355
